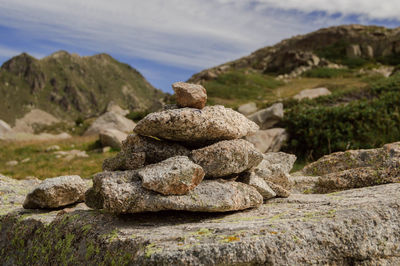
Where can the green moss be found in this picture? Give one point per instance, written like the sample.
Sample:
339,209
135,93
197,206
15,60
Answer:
151,249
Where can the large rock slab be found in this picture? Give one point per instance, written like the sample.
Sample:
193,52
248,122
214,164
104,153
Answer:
194,125
312,93
110,120
122,192
174,176
267,118
270,140
190,95
56,192
112,138
354,227
227,157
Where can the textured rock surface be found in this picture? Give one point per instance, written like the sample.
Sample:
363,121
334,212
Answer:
194,125
174,176
248,108
227,157
270,140
112,138
259,184
4,129
267,118
312,93
56,192
110,120
122,192
125,161
190,95
355,227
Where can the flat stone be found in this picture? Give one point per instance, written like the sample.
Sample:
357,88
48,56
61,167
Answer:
190,95
227,157
122,192
312,93
267,118
174,176
194,125
258,183
270,140
112,138
56,192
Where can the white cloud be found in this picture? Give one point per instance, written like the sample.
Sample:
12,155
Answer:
182,33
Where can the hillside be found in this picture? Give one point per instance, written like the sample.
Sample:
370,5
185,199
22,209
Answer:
69,86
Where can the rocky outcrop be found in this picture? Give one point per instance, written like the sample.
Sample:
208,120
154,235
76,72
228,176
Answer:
299,230
266,118
112,138
312,93
110,120
212,123
56,192
270,140
190,95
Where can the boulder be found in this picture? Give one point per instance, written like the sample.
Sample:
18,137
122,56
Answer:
353,51
110,120
270,140
357,227
267,118
227,157
125,161
4,129
115,108
190,95
258,183
312,93
174,176
248,108
56,192
32,119
122,192
71,154
112,138
212,123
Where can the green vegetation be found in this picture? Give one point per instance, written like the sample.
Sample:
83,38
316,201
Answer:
325,72
328,124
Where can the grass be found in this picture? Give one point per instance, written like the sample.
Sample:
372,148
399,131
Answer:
44,164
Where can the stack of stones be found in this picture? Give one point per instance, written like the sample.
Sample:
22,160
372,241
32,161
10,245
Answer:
190,157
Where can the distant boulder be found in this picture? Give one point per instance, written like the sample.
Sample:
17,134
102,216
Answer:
267,118
35,117
115,108
4,129
270,140
248,108
110,120
112,138
312,93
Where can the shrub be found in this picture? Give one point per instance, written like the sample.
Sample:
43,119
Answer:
325,72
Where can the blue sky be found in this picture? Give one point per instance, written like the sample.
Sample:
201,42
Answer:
168,41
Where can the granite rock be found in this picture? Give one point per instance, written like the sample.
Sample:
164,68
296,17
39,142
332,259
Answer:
190,95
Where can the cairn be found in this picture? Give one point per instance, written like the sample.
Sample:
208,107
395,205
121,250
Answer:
190,157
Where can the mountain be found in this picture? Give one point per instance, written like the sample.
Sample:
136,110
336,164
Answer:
70,86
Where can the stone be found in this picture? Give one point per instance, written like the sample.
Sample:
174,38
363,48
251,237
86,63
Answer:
32,119
353,51
248,108
212,123
106,149
122,192
258,183
174,176
190,95
110,120
115,108
156,150
71,154
125,161
52,148
278,189
227,157
312,93
358,226
12,163
270,140
112,138
267,118
4,129
56,192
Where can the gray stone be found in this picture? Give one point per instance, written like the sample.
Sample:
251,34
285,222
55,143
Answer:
4,129
248,108
270,140
258,183
190,95
227,157
353,51
115,108
312,93
12,163
194,125
56,192
110,120
174,176
122,192
112,138
357,227
125,161
267,118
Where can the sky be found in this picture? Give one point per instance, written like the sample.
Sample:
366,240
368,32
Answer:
170,40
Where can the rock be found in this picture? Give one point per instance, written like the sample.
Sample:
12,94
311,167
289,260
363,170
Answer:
270,140
358,227
12,163
125,161
353,51
122,192
34,118
52,148
112,138
71,154
312,93
115,108
247,109
110,120
156,150
174,176
106,149
190,95
227,157
266,118
194,125
278,189
56,192
25,160
258,183
4,129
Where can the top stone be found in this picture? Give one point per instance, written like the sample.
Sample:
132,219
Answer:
213,123
190,95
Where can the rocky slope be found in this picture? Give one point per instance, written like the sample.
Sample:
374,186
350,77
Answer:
68,86
347,44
